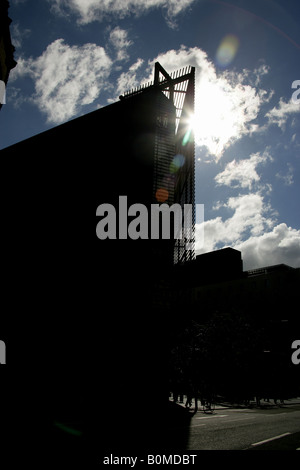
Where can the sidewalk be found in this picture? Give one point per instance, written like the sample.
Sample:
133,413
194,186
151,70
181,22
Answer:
222,404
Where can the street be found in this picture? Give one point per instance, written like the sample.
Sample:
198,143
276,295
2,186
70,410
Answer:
270,427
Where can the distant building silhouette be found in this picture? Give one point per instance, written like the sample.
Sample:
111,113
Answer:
256,308
7,61
217,281
211,267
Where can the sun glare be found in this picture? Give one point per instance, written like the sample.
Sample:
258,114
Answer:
192,122
215,121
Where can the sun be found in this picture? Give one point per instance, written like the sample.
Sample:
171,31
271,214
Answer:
215,121
192,122
190,126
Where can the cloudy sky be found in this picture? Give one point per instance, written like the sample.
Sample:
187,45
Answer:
75,56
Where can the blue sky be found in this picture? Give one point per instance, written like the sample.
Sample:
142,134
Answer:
75,56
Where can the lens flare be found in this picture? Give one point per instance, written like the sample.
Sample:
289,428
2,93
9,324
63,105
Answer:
227,50
68,429
161,195
187,137
177,163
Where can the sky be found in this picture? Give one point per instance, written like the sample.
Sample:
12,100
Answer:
75,56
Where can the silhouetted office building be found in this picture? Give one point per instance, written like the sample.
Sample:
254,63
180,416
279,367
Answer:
267,293
102,308
210,268
247,322
7,61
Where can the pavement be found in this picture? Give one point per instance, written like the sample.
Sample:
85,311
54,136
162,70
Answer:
223,404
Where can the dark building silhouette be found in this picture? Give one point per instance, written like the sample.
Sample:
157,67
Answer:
220,265
99,312
7,61
100,321
243,324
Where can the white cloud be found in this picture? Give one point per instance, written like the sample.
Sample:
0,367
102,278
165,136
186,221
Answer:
95,10
18,35
225,107
288,177
262,70
251,217
66,78
128,80
119,39
252,230
279,115
242,173
281,245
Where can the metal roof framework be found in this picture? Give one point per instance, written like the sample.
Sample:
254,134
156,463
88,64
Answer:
179,88
174,86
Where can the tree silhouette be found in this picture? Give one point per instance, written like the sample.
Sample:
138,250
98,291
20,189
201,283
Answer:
222,355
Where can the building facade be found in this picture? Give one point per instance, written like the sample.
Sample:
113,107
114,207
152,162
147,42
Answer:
239,327
103,304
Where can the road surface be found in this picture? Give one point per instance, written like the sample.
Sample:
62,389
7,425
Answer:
266,428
